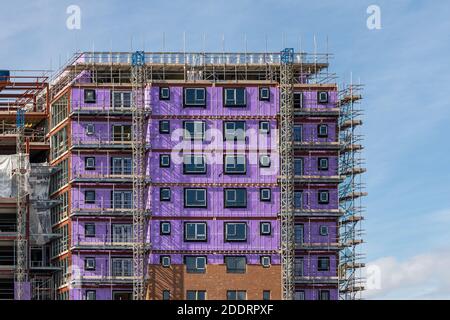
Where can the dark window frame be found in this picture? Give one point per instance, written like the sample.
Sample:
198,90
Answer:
162,232
319,166
235,137
161,131
319,133
319,197
227,205
224,100
196,270
193,137
324,291
195,172
225,235
161,156
235,270
261,98
162,263
161,97
91,292
88,268
164,292
86,192
86,167
261,191
225,156
261,228
327,263
261,258
161,198
321,228
195,206
93,99
261,123
203,105
88,234
319,95
261,165
185,239
300,105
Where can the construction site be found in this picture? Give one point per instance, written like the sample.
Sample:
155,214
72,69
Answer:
97,202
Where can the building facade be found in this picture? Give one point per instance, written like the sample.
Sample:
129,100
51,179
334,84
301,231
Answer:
212,162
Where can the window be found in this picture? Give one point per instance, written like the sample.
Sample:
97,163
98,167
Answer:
265,228
298,100
235,231
234,97
165,261
235,164
90,129
235,198
89,264
89,96
297,133
322,97
298,233
122,233
322,130
121,166
236,264
323,197
194,164
323,230
322,164
164,93
195,198
194,97
195,264
298,199
266,295
265,261
121,100
91,295
164,194
121,133
194,130
164,228
323,263
299,295
89,230
298,166
122,267
89,163
298,267
236,295
196,295
164,160
166,295
264,127
264,161
164,126
264,94
265,194
122,199
89,196
195,231
234,130
324,294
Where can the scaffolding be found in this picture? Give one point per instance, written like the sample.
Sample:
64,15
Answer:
351,191
138,148
21,274
287,173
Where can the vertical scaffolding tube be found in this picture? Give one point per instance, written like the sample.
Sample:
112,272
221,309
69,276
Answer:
287,173
21,274
138,148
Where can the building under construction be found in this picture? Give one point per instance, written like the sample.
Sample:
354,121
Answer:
138,175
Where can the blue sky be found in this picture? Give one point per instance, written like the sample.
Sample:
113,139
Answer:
404,66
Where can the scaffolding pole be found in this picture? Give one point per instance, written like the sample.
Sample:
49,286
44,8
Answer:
138,148
287,173
21,273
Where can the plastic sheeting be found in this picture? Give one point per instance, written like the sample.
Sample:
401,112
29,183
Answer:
8,181
37,186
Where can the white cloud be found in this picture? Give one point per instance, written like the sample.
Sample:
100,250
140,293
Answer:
424,276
